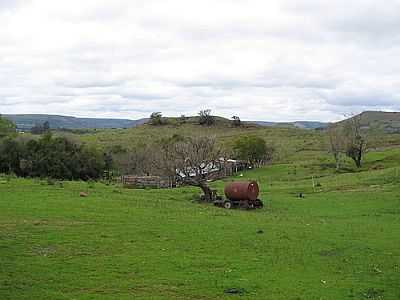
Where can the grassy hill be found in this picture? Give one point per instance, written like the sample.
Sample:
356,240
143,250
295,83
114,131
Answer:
339,242
27,121
386,122
287,140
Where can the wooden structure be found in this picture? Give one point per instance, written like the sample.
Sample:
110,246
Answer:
157,182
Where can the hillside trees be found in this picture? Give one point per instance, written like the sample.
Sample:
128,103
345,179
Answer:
253,149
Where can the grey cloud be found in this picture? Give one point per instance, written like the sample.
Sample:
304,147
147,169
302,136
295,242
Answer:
93,83
9,4
129,58
366,98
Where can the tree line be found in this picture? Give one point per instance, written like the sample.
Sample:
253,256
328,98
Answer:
49,156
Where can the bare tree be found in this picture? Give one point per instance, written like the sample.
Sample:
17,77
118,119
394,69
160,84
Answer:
164,157
137,161
236,121
192,160
336,144
156,118
195,158
356,139
205,117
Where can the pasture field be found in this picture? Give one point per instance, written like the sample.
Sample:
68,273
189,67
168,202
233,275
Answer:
288,139
341,241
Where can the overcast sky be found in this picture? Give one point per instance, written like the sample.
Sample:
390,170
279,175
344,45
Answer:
261,60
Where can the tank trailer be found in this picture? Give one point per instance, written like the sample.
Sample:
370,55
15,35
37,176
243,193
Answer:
240,195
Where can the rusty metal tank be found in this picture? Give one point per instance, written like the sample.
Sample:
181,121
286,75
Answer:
244,190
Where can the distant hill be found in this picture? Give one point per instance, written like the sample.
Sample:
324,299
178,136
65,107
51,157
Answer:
297,124
26,122
388,122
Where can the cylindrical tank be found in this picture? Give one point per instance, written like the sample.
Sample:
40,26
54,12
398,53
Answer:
247,190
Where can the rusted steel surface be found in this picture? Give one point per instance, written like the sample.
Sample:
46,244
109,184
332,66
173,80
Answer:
247,190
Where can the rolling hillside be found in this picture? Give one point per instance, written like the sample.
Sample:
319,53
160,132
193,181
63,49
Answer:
27,121
340,241
389,122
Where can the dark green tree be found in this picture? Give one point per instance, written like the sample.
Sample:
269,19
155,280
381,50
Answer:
6,127
253,149
54,157
10,156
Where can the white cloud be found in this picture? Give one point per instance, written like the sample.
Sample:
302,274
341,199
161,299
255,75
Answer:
265,60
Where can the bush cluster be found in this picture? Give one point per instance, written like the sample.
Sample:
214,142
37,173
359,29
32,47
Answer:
54,157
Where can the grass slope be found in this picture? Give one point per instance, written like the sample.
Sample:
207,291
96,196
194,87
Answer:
285,139
339,242
379,121
288,142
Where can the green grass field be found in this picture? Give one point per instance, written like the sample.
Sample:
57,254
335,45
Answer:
342,241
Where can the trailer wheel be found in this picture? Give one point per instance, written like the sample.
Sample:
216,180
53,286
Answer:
259,204
228,204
